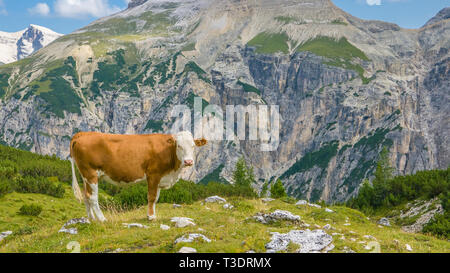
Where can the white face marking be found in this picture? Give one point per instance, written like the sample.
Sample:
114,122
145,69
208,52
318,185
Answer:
185,148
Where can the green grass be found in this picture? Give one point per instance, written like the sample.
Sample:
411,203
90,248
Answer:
230,231
270,43
340,53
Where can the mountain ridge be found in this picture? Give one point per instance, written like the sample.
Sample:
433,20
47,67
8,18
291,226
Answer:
18,45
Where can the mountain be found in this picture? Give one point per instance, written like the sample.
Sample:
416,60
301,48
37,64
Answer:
346,87
18,45
442,15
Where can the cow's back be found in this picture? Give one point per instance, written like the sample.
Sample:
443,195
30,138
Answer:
124,158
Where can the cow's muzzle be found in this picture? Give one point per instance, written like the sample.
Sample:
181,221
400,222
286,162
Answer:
188,163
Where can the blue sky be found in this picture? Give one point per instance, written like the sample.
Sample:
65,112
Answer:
65,16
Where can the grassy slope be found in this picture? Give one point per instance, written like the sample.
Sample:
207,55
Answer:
229,230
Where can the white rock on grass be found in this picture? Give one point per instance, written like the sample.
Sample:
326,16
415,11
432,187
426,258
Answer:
309,241
134,225
278,215
370,237
329,210
5,234
384,222
267,200
215,199
315,206
164,227
74,221
185,249
189,238
301,203
408,247
176,206
327,227
228,206
181,222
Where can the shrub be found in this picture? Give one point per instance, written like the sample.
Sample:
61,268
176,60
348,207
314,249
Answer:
439,226
5,187
41,185
30,210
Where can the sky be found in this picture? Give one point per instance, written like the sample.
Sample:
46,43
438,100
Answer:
65,16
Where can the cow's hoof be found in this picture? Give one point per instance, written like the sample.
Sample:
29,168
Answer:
151,217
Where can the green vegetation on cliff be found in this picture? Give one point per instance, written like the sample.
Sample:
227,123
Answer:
270,43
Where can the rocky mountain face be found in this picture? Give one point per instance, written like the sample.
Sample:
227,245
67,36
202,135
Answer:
18,45
345,87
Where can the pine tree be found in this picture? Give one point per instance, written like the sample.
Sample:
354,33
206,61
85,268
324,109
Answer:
277,190
264,190
383,174
243,176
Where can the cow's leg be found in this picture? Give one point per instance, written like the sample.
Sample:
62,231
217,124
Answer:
91,200
153,195
86,195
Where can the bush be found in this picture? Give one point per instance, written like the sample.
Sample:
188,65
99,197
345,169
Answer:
41,185
439,226
30,210
5,187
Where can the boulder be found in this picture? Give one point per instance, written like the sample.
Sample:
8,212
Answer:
278,215
228,206
181,222
301,203
5,234
267,200
176,206
134,225
164,227
187,250
189,238
215,199
309,241
408,247
329,210
384,222
71,222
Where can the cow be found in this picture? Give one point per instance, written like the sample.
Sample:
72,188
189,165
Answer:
128,159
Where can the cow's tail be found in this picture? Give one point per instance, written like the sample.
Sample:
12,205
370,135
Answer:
75,186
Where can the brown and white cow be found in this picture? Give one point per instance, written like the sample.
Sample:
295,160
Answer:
128,159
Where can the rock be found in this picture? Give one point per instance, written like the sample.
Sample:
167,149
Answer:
185,249
164,227
5,234
278,215
408,247
315,206
309,241
329,210
192,237
317,226
181,222
176,206
301,203
347,224
384,222
327,227
267,200
74,221
215,199
424,211
134,225
228,206
250,251
370,237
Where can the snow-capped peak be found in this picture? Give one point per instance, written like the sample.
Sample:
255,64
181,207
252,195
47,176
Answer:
18,45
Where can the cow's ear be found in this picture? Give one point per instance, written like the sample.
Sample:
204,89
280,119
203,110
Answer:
200,142
171,141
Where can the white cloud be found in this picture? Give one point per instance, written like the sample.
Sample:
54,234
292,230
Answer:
40,9
84,8
373,2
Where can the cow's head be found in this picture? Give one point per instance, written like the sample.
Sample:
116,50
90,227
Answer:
185,144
